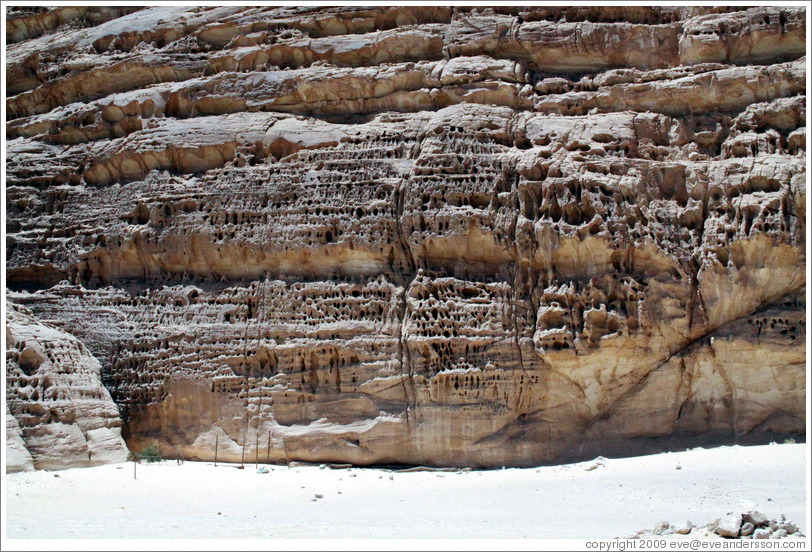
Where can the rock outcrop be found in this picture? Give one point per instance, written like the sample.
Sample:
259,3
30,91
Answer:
417,235
58,413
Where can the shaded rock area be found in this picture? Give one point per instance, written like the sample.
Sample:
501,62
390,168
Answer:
446,236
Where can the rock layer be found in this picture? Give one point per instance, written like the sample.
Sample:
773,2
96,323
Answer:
450,236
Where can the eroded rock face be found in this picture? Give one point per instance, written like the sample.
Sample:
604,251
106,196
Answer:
58,413
454,236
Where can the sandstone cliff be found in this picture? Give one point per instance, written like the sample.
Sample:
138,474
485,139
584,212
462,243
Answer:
58,413
456,236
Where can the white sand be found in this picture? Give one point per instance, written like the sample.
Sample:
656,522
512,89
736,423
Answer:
615,499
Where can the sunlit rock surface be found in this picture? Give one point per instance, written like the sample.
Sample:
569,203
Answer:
420,235
58,413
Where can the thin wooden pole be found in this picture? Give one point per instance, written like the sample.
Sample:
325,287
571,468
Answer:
268,458
242,458
245,433
216,446
285,446
259,417
134,464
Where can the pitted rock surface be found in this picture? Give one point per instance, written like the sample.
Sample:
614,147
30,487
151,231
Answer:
416,235
58,413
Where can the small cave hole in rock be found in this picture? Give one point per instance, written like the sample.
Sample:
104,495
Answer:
30,361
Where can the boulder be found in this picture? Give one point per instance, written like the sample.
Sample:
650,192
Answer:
729,526
762,534
756,518
778,534
683,527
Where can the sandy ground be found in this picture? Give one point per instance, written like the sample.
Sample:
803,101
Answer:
603,498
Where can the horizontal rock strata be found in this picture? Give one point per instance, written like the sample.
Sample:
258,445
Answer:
416,235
